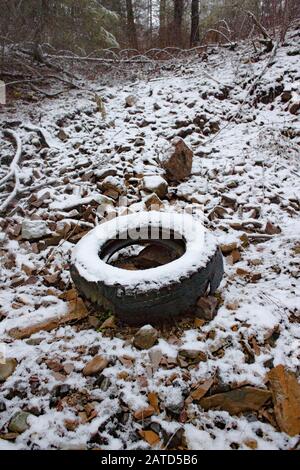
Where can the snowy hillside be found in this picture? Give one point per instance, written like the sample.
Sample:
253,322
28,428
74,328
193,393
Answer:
203,384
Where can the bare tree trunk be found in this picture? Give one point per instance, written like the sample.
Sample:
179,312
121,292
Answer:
195,34
178,16
131,25
150,15
162,22
39,32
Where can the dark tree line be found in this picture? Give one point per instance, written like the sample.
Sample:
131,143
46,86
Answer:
86,25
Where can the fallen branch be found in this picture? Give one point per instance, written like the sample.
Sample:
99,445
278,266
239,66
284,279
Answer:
46,93
44,135
13,170
16,158
259,26
42,78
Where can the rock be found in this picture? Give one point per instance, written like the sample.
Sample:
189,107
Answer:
61,391
286,396
174,440
144,413
146,337
155,356
109,323
178,160
18,423
286,96
228,248
34,229
96,365
7,369
154,256
238,400
153,202
114,184
139,142
294,107
155,184
187,357
104,173
207,307
272,229
175,408
234,257
201,390
76,311
2,406
105,384
62,135
130,101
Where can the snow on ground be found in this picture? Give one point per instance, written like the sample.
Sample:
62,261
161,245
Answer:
248,167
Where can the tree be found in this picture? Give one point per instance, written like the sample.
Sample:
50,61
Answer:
162,22
195,34
131,28
65,24
178,16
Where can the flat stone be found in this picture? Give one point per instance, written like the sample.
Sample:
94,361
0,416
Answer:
96,365
286,396
18,423
34,229
146,337
237,401
7,369
228,248
188,357
76,311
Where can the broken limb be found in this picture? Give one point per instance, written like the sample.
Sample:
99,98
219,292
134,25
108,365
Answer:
46,138
13,170
15,162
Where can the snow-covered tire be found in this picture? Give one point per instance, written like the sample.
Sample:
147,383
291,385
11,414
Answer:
151,295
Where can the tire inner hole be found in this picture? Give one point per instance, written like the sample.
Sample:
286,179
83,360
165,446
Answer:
144,253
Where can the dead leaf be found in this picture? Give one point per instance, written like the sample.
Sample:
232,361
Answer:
144,413
251,443
151,437
153,400
199,322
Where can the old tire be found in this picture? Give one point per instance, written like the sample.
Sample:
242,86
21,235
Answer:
150,295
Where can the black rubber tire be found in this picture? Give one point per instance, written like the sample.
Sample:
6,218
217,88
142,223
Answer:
167,302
